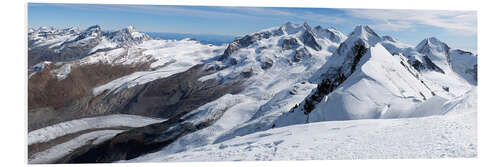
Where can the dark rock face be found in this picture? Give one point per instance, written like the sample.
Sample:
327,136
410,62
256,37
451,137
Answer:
245,41
431,66
290,43
300,54
354,54
417,65
309,38
359,51
473,72
266,63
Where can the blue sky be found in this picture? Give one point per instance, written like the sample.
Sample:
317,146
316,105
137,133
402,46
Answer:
457,28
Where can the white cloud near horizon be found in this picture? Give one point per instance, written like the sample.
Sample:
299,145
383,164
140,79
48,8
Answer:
464,22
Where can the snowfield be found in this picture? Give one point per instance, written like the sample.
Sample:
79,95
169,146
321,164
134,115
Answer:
54,131
168,57
451,135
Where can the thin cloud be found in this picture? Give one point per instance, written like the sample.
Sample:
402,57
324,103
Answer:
156,9
284,13
393,26
453,21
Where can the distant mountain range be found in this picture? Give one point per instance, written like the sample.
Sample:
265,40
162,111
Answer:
203,38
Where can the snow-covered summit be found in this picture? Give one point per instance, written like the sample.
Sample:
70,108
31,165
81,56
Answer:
289,44
127,36
432,44
366,33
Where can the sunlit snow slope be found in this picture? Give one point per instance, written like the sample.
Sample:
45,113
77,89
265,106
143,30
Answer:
451,135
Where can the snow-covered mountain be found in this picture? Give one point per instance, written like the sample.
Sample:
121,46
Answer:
50,44
269,82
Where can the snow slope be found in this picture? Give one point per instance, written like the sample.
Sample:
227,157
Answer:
51,132
439,65
381,87
440,136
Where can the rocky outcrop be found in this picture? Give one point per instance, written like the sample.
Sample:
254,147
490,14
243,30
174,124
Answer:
290,43
300,54
245,41
309,38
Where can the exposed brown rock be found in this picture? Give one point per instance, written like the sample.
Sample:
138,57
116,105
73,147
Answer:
44,90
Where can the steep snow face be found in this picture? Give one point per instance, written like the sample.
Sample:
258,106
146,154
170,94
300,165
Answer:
383,86
442,136
465,64
348,54
436,51
448,72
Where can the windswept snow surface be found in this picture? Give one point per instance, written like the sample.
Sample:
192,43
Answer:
168,56
59,151
441,136
51,132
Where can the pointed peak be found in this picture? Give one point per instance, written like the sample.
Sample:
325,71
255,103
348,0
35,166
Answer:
306,25
432,42
363,29
365,33
291,28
